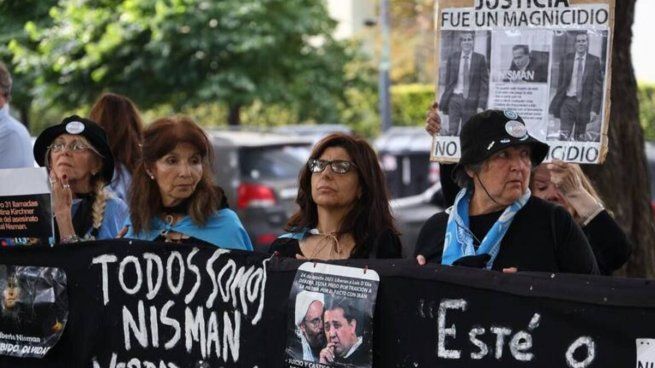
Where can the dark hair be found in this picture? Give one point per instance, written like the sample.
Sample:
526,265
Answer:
462,33
349,310
160,138
5,81
120,119
525,48
576,34
370,214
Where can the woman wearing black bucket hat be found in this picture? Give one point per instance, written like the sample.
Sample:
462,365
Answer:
80,165
495,222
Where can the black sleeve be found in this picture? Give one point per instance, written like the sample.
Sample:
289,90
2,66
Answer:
430,239
285,247
573,252
388,245
448,185
609,243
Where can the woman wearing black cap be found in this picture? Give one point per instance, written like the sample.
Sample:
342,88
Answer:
495,222
80,164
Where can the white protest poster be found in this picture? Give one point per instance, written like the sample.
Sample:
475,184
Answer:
548,60
330,319
25,207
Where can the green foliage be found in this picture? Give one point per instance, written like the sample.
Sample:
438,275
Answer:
410,103
187,53
646,96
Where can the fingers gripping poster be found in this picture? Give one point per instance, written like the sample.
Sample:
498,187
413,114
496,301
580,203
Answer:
330,321
548,60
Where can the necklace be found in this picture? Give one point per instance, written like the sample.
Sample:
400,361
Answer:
326,241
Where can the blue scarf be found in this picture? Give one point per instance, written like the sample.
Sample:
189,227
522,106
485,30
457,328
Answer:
458,241
223,229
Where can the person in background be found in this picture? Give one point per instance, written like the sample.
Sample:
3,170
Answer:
15,143
565,184
495,222
172,196
344,205
120,119
80,165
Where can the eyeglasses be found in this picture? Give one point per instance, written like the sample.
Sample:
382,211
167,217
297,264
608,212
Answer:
337,166
74,146
316,322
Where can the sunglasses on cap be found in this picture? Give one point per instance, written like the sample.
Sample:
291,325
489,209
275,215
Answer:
337,166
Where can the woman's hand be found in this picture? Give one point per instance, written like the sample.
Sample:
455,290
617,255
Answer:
62,197
433,120
62,203
565,177
122,232
420,259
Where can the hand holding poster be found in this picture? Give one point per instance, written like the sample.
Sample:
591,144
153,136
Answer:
331,316
548,60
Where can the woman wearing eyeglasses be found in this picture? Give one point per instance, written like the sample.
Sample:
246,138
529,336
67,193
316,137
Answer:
80,165
344,205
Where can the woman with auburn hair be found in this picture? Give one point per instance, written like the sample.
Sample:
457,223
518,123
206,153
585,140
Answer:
120,118
344,205
173,198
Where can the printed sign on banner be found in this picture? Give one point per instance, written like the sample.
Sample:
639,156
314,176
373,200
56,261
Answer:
548,61
331,316
25,207
34,310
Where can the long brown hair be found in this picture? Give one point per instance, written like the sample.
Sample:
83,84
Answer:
160,138
370,214
120,118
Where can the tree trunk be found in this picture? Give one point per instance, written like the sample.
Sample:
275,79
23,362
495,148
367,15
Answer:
25,115
234,116
623,179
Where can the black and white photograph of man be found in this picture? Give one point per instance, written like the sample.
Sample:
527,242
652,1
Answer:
464,80
527,67
578,95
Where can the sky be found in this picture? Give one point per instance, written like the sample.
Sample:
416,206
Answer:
643,31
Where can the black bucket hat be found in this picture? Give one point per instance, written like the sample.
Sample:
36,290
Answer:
490,131
76,125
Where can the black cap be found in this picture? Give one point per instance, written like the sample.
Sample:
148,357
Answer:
76,125
493,130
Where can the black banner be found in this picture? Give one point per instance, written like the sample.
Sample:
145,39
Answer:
140,304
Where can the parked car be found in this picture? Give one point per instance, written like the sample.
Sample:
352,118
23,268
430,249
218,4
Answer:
259,172
412,212
404,154
311,131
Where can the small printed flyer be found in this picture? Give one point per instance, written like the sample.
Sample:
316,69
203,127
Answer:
330,320
25,207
